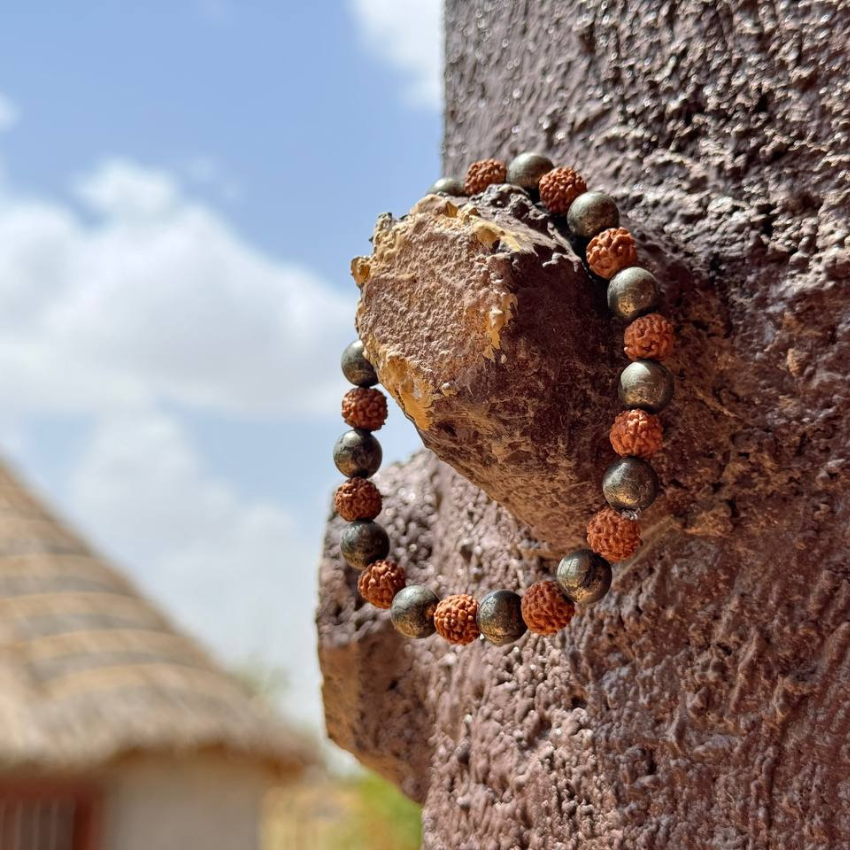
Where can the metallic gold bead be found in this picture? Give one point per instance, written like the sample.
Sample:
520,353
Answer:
412,611
632,292
447,186
356,368
526,169
591,213
584,576
362,542
647,385
500,617
630,484
357,454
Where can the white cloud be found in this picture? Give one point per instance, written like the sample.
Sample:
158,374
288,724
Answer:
9,113
232,568
409,37
157,299
124,313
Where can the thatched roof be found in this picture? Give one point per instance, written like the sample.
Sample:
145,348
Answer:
91,671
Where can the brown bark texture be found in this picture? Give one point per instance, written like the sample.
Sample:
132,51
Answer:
705,702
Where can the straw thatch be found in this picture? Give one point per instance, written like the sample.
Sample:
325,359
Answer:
91,671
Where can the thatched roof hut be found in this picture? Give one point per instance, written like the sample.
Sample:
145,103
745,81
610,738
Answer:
98,690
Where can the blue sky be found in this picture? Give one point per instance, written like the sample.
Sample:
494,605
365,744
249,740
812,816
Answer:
182,187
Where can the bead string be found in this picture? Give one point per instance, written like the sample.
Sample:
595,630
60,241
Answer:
629,485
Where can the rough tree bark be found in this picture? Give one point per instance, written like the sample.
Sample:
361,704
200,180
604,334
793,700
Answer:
706,701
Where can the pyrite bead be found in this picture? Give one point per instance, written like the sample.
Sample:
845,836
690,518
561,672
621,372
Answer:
362,542
646,384
412,611
500,617
447,186
632,292
526,169
630,484
356,368
584,576
357,454
591,213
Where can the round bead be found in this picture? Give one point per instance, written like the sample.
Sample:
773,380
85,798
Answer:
380,582
357,454
559,188
356,368
456,619
647,385
545,609
364,408
526,169
591,213
500,617
632,292
482,174
412,611
358,498
630,484
362,542
611,251
650,337
613,536
446,186
636,433
584,576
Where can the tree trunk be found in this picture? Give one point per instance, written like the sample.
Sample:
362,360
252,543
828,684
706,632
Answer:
705,702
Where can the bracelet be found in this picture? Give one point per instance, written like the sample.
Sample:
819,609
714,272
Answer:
629,485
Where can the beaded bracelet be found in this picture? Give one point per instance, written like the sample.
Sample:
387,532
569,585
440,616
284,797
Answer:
629,485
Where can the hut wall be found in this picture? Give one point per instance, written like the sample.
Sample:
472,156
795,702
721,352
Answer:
156,803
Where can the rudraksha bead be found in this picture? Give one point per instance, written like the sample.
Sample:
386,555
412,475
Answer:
364,408
545,609
358,498
559,188
650,337
613,536
380,582
636,433
611,251
483,173
456,619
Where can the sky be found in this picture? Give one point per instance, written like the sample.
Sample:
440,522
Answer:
182,187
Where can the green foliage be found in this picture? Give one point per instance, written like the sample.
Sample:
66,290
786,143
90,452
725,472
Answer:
381,817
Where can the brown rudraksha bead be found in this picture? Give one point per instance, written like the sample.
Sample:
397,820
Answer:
559,188
650,337
636,433
611,251
483,173
380,582
364,408
456,619
613,536
358,498
545,609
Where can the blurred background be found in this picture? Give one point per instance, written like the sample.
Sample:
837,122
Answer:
182,187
